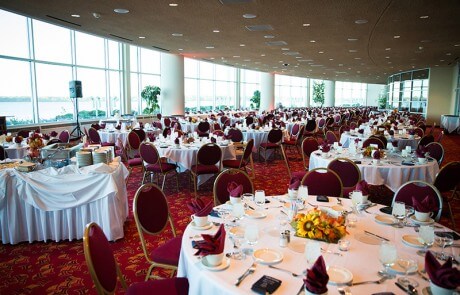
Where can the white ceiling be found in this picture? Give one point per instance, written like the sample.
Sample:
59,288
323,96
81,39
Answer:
323,38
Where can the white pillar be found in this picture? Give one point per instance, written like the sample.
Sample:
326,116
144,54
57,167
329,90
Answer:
329,93
172,84
267,92
125,104
307,103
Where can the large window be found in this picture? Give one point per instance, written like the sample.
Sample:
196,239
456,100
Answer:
249,83
350,94
290,91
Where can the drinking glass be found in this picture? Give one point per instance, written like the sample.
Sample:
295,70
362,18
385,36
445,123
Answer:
259,198
426,233
387,256
409,212
238,253
251,234
224,215
247,198
443,241
312,251
399,212
408,265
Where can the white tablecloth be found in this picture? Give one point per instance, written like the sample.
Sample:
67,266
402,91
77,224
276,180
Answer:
362,260
403,140
390,172
258,136
450,123
16,152
56,204
120,138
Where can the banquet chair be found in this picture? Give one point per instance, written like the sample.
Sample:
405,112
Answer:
323,181
218,133
95,138
440,136
273,143
203,129
249,120
373,140
167,122
53,141
436,151
310,128
167,131
448,183
419,190
132,152
246,159
155,165
321,127
419,131
353,125
309,145
426,140
151,214
3,154
140,133
235,135
295,138
382,138
216,126
64,136
208,161
23,133
348,171
105,272
343,128
331,137
220,192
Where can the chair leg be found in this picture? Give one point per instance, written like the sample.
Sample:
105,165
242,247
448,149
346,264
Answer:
177,181
163,184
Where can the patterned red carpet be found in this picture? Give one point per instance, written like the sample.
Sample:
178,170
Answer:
60,268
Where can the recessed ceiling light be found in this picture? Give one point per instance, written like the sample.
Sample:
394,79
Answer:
284,49
448,53
396,36
312,41
180,49
121,10
388,49
306,25
387,57
441,60
75,15
457,45
262,55
242,45
209,47
321,52
236,56
331,59
361,21
177,34
357,57
246,60
298,57
141,37
249,15
269,36
352,50
352,39
424,16
216,31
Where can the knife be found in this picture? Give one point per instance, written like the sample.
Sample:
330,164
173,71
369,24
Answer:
410,291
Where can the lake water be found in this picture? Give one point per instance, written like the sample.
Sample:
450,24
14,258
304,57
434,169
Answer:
48,110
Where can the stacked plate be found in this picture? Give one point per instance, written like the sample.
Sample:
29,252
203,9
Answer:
110,152
84,159
100,156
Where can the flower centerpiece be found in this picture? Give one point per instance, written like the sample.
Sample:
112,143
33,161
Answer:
318,225
35,142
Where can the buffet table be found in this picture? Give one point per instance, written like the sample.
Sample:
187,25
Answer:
450,123
56,204
361,261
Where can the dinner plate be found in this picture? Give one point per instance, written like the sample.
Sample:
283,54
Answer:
397,269
237,231
204,227
385,219
255,214
338,208
414,220
268,256
426,291
339,275
297,245
413,241
225,264
367,239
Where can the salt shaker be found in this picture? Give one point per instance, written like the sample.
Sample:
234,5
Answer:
283,240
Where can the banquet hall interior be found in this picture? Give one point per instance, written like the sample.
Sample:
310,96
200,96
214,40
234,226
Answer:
98,100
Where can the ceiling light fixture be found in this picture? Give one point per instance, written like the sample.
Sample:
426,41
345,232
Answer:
312,41
388,49
96,15
242,45
262,55
284,49
121,10
180,49
173,4
306,25
424,16
457,45
177,34
249,15
75,15
361,21
352,39
320,52
236,56
396,36
141,37
215,31
209,47
269,36
448,53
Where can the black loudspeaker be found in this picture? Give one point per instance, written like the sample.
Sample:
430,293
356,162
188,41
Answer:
75,89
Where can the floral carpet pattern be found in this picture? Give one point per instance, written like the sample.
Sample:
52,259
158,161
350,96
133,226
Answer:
60,268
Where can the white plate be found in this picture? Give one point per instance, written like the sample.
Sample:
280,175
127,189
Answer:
204,227
338,208
297,245
367,239
255,214
397,269
339,275
225,264
237,231
414,220
268,256
272,231
413,241
385,219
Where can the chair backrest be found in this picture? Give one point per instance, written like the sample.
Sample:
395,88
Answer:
100,260
140,133
310,126
347,170
166,131
23,133
249,120
447,178
300,135
223,119
436,151
373,140
323,181
275,135
64,136
382,138
331,137
419,131
204,126
209,154
295,129
94,136
353,125
216,126
167,122
343,128
53,141
238,176
134,141
329,122
321,123
419,190
248,150
426,140
3,154
235,135
309,145
149,153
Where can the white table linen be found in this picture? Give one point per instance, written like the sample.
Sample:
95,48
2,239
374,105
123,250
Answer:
403,140
362,259
120,138
390,172
15,151
450,123
57,204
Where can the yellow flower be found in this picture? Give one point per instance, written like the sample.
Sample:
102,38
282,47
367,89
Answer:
319,226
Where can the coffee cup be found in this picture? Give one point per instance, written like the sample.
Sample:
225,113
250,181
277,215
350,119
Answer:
422,160
234,200
200,221
423,216
214,259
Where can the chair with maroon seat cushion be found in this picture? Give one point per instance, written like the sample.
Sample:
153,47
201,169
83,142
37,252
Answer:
3,154
348,172
223,119
310,128
203,129
426,140
343,128
167,122
105,272
208,161
331,137
323,181
353,125
226,124
157,124
95,138
273,143
132,152
295,139
235,135
151,214
245,160
309,145
448,183
321,127
436,151
23,133
419,131
64,136
373,140
221,194
419,190
382,138
249,120
216,126
140,133
155,165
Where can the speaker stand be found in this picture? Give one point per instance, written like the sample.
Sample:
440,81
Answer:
76,133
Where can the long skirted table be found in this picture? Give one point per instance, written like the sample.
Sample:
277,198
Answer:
56,204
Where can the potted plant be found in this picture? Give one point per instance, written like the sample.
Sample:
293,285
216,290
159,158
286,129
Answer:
318,92
150,95
255,100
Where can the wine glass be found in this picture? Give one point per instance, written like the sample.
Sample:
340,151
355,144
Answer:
312,251
399,212
446,239
426,233
409,212
408,265
259,198
387,256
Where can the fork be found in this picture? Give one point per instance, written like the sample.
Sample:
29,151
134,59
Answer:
379,281
249,271
285,270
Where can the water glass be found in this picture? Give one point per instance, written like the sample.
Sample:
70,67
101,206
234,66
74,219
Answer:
387,255
426,233
312,251
259,197
443,241
408,265
238,210
303,192
399,212
251,234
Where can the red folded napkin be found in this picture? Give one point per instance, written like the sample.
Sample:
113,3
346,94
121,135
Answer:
211,244
317,277
234,189
294,183
444,276
394,143
200,208
325,147
363,187
213,140
428,204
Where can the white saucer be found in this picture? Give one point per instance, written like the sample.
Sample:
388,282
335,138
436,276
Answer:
397,269
385,219
225,264
268,256
338,208
414,220
206,226
255,214
339,275
413,241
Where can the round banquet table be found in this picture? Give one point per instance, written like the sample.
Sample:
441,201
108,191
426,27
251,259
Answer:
390,172
120,138
403,140
15,151
259,136
361,260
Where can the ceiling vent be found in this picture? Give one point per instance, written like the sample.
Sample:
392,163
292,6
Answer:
224,2
63,20
259,28
122,38
276,43
291,53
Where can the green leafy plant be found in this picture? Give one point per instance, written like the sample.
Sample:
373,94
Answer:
318,92
383,99
150,95
255,100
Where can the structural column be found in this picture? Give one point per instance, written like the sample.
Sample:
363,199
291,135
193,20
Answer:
329,93
267,92
172,98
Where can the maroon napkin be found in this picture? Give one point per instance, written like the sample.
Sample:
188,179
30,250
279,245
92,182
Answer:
211,244
151,136
53,134
420,151
394,143
325,147
294,183
18,139
213,140
234,189
200,208
376,155
317,277
444,276
363,187
428,204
